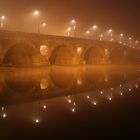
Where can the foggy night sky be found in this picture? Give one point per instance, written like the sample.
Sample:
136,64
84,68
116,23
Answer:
120,15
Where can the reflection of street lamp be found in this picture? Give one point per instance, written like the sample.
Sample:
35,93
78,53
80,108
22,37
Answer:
37,120
4,115
36,13
2,19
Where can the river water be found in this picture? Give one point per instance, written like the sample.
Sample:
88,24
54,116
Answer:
87,102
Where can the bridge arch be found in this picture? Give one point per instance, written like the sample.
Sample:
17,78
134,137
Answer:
93,55
63,55
19,54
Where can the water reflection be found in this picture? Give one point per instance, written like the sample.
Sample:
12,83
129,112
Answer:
35,91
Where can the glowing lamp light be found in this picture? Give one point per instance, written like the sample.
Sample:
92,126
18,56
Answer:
44,24
110,31
121,35
73,21
136,86
88,97
3,17
73,110
94,103
37,120
101,92
101,37
4,115
36,12
94,27
87,32
130,89
44,106
69,29
109,98
106,53
69,101
2,108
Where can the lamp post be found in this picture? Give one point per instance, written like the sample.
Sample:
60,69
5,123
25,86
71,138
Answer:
43,25
68,31
2,19
110,33
37,13
73,22
130,41
94,29
101,37
121,38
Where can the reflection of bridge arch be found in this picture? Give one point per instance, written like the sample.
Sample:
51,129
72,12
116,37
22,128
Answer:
19,83
63,55
93,55
19,55
61,78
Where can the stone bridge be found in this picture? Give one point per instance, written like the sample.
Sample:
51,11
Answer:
28,49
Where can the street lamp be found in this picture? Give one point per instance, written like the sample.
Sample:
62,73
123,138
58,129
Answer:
121,35
101,37
2,19
136,42
110,34
43,25
121,38
130,41
88,32
73,22
110,31
94,27
68,31
37,13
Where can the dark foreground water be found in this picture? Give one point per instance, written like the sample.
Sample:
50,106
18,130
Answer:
101,102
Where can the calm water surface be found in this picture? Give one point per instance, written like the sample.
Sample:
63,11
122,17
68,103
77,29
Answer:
91,102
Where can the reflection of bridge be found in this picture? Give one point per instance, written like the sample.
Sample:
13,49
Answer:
29,85
24,49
